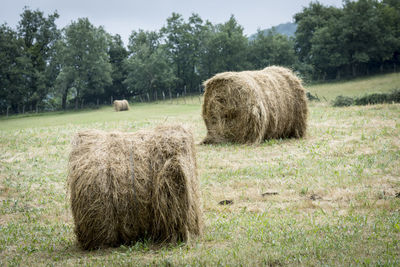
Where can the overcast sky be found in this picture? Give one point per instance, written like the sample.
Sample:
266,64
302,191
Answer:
123,16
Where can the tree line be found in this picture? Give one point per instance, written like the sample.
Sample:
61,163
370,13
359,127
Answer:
46,68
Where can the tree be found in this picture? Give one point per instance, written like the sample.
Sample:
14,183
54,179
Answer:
184,41
311,18
149,69
327,53
12,70
230,46
118,55
271,49
359,33
39,34
85,65
196,39
389,22
354,40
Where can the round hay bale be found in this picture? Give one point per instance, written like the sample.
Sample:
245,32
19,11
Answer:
121,105
251,106
125,187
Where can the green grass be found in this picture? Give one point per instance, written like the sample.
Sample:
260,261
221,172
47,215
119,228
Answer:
358,87
336,201
139,112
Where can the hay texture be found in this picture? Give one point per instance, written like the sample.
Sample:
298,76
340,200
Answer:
251,106
126,187
121,105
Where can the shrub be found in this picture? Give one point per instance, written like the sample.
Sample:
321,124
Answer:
379,98
343,101
371,99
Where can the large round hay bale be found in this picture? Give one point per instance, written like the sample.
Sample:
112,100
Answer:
121,105
251,106
126,187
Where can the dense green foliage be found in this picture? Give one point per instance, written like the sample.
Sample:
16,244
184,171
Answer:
26,72
358,39
45,68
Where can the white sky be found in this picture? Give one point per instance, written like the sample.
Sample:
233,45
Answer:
123,16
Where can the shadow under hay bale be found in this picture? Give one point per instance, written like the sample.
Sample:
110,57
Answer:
121,105
252,106
125,187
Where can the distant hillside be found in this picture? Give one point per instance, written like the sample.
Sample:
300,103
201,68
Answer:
287,29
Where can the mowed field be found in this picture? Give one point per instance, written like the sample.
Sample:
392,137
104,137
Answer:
332,198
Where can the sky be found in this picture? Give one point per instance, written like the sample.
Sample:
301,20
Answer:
123,16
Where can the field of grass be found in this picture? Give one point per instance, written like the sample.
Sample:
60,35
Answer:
356,88
337,201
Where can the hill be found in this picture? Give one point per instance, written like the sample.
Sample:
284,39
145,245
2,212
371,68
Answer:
287,29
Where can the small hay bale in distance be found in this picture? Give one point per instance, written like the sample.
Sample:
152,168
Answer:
125,187
252,106
121,105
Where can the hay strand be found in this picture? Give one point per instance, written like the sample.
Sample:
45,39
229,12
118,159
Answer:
125,187
251,106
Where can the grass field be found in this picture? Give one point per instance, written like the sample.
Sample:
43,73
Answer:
337,200
356,88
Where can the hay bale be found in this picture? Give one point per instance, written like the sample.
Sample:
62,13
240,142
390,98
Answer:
251,106
121,105
126,187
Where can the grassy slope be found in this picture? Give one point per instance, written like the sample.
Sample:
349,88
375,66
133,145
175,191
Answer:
358,87
336,202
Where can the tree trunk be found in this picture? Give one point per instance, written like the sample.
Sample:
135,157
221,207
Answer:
111,100
64,102
338,74
354,70
148,97
8,108
37,107
23,109
163,95
76,102
83,100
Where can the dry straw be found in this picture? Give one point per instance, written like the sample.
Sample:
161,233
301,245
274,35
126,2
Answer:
126,187
251,106
121,105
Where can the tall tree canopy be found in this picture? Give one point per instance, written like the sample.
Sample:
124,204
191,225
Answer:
149,69
39,35
44,68
118,55
85,66
359,38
